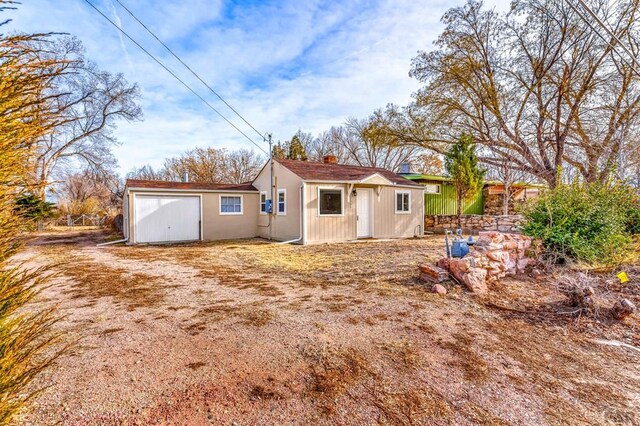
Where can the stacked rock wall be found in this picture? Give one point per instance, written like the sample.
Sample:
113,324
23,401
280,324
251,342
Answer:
502,223
494,203
493,256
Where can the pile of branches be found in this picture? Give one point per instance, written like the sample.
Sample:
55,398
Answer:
580,293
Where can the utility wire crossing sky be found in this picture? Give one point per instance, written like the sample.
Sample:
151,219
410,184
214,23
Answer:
281,65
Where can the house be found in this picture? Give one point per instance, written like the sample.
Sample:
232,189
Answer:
289,200
440,195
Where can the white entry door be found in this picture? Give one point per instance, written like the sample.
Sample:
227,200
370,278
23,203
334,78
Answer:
364,197
163,218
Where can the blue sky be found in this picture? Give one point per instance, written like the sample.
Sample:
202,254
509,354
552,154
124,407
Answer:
285,65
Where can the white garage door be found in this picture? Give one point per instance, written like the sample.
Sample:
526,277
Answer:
160,218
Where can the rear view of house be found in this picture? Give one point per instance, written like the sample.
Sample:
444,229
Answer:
289,200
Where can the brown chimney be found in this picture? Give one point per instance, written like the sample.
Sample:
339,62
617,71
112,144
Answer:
329,159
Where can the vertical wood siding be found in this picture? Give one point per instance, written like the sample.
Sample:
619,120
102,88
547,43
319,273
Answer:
326,229
386,223
445,202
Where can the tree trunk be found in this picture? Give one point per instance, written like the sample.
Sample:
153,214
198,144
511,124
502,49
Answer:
505,199
459,211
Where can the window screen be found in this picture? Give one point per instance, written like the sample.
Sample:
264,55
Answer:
330,201
282,201
263,202
402,202
231,204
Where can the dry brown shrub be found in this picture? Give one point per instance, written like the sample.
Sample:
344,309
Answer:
26,115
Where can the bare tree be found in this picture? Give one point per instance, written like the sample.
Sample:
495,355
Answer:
243,165
146,172
89,102
538,85
87,192
206,165
504,171
328,143
428,163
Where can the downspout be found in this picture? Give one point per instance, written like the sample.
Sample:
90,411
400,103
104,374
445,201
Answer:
271,213
124,240
302,214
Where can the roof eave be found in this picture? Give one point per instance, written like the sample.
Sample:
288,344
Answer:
394,184
142,188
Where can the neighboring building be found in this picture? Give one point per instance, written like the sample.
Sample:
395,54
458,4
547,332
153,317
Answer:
312,203
493,195
440,195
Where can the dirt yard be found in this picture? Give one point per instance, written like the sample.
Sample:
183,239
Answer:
252,333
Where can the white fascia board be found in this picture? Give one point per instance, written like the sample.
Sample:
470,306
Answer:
344,182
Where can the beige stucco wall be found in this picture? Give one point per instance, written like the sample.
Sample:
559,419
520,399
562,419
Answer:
386,222
284,227
223,227
214,225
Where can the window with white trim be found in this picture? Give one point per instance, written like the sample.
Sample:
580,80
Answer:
403,201
330,201
263,202
230,204
282,201
432,188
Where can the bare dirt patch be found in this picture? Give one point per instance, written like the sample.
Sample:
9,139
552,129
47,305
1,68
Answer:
248,332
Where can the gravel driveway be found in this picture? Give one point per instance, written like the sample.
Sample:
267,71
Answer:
248,332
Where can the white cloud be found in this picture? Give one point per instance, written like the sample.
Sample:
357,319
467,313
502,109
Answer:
284,65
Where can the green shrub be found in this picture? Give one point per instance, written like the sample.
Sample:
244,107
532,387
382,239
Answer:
633,217
585,222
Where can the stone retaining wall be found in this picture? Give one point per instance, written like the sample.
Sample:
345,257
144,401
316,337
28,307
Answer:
502,223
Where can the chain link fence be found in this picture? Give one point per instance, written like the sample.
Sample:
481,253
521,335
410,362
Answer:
81,220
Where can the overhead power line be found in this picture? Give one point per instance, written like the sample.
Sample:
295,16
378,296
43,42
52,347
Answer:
187,66
174,75
608,30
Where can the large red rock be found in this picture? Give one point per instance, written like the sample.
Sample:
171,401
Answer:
498,256
459,266
511,245
432,273
475,280
521,265
443,263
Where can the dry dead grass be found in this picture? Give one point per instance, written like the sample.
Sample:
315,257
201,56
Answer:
339,374
403,354
333,372
94,280
575,382
473,366
344,291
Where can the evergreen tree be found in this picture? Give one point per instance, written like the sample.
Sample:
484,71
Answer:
461,163
296,150
279,152
32,207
